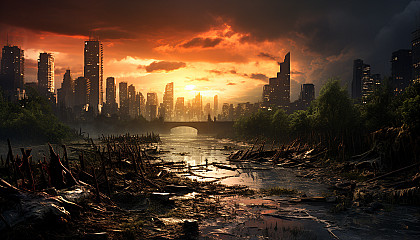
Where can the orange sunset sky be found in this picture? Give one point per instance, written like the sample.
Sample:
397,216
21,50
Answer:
228,48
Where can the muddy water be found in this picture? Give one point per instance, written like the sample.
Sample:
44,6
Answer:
277,217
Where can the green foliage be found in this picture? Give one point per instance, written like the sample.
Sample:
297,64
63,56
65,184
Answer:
257,124
31,120
280,124
410,113
380,112
334,112
300,123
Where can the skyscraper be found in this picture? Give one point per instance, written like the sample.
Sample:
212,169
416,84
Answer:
168,101
12,69
415,48
111,96
401,65
197,107
67,91
111,90
123,92
152,106
138,104
132,108
93,70
46,73
215,105
277,92
307,93
81,92
142,104
356,84
179,109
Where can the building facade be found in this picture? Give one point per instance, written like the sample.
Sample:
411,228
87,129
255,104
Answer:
152,106
415,51
46,73
123,94
12,71
401,74
277,93
168,101
93,70
111,106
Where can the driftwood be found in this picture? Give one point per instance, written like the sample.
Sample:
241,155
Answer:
60,176
394,172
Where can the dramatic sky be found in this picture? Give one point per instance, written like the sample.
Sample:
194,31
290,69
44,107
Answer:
229,48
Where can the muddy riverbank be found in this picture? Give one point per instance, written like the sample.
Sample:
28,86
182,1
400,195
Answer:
190,190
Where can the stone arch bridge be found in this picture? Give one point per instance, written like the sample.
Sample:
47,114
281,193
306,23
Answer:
207,127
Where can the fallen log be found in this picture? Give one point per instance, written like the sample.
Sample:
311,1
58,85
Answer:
393,172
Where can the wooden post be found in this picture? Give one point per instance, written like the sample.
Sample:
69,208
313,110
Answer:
98,195
66,159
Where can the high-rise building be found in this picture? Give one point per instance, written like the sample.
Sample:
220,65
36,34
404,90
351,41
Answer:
81,92
141,104
152,106
132,108
356,84
277,92
168,101
207,110
12,70
415,51
124,104
138,103
197,107
110,107
307,93
369,85
401,65
111,91
93,70
215,105
179,109
66,96
46,73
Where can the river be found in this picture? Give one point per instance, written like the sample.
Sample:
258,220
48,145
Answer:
271,217
277,217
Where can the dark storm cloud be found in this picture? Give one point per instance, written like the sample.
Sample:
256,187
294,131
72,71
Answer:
162,66
259,76
296,72
202,42
326,28
268,56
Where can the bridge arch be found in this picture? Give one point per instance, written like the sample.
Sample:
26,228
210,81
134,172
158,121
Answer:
204,127
183,130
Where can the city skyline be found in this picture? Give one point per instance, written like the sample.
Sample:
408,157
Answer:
221,50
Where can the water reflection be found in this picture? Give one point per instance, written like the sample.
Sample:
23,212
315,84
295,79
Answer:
184,131
204,153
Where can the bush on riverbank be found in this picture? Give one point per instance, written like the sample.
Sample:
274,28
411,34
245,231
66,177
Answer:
31,120
335,122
